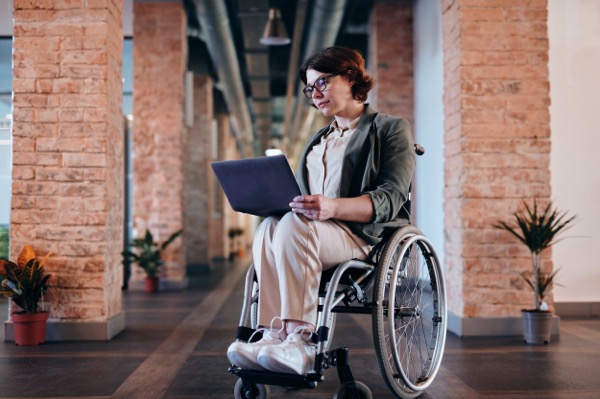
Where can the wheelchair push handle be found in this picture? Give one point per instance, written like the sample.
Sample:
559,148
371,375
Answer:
419,150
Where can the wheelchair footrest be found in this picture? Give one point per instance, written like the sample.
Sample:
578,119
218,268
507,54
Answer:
279,379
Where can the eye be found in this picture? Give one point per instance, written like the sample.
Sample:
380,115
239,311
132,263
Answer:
320,84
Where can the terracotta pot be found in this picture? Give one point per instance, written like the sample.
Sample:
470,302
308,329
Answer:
29,328
537,326
151,284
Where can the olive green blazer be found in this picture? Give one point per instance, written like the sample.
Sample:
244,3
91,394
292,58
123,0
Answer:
379,161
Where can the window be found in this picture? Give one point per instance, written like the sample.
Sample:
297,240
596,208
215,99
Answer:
5,140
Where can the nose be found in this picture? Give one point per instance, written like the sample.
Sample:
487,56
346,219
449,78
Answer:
316,93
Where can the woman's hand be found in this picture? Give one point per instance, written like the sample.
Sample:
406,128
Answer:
319,207
315,207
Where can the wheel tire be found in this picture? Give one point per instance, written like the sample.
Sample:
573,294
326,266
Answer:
409,285
259,391
344,392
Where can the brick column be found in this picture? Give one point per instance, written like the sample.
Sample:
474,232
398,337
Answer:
200,186
68,159
497,148
160,54
391,58
218,244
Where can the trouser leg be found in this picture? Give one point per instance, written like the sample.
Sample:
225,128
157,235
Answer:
269,302
302,249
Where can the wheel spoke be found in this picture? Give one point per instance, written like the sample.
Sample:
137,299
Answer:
411,322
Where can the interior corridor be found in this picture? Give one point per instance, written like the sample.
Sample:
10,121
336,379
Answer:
174,347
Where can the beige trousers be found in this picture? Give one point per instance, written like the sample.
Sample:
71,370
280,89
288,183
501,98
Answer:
289,255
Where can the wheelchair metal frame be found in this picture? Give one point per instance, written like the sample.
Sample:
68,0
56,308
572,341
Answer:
346,293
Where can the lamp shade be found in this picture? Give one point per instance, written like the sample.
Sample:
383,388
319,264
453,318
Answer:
275,33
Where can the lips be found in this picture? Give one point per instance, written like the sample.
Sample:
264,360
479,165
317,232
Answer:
322,103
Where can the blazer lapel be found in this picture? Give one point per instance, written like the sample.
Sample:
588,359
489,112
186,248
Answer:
354,149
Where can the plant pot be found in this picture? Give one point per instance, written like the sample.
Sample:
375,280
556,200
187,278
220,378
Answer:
29,328
151,284
537,326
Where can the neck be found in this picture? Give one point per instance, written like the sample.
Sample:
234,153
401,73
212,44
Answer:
348,115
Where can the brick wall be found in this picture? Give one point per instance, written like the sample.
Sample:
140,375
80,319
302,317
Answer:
199,189
391,58
67,192
160,54
497,146
226,151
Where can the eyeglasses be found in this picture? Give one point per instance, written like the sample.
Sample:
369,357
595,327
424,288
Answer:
320,85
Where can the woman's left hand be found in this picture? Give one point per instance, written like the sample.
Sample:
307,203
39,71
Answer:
315,207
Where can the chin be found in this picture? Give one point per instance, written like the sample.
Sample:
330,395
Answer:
326,111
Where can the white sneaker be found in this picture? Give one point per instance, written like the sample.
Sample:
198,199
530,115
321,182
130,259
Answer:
295,355
245,355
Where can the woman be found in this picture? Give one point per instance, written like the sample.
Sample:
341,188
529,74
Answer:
356,172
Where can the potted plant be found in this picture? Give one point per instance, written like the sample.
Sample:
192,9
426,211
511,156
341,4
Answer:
147,254
241,250
25,283
3,242
232,233
538,229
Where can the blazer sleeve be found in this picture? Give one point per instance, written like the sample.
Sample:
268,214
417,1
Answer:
397,161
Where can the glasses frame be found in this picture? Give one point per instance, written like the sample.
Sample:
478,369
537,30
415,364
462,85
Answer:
309,93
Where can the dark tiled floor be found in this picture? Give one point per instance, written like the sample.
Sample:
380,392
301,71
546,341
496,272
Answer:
175,342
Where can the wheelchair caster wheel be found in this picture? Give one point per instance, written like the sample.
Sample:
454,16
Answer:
346,392
250,391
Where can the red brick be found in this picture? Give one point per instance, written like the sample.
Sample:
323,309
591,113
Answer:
497,134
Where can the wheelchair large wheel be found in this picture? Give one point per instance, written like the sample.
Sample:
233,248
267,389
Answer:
409,321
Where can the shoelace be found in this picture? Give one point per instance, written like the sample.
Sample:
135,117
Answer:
300,330
263,329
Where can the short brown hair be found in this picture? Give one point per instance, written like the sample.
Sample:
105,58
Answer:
345,61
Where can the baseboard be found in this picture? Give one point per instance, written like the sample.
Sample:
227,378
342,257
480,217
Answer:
491,326
577,309
58,330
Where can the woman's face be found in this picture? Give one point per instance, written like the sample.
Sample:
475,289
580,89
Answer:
337,96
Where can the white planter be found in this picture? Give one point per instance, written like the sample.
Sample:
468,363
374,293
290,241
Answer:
537,326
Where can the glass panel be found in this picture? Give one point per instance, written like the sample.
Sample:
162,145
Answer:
5,65
5,141
5,182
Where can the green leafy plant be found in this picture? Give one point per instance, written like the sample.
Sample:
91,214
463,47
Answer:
25,281
235,231
538,229
3,243
147,253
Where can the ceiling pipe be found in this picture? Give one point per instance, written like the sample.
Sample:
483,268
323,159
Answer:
212,15
301,11
324,25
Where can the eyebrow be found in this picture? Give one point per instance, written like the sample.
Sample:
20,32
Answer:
320,77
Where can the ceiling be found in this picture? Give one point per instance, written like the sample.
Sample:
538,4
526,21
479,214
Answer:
256,84
259,85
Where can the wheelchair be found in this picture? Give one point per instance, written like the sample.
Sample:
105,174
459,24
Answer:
401,285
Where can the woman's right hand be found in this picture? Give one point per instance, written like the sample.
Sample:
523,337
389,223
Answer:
319,207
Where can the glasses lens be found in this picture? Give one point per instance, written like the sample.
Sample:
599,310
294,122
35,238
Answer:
321,84
308,92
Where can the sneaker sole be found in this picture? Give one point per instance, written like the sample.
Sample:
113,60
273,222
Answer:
279,365
242,362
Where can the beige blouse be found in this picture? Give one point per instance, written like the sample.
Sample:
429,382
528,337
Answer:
324,165
324,161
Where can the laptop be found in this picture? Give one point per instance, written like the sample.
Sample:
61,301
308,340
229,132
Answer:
262,186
